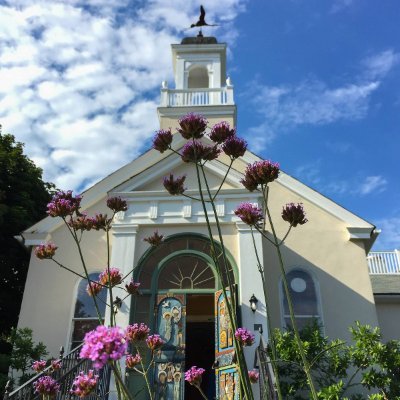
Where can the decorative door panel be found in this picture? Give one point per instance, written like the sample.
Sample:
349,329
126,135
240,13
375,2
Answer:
170,316
227,386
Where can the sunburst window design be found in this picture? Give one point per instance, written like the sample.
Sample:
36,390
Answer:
186,272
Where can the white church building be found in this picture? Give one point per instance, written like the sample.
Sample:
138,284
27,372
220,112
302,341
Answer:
325,259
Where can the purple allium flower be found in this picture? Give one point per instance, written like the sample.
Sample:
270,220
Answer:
45,250
249,213
132,287
173,185
63,204
220,132
155,239
162,140
83,385
194,375
234,147
117,204
244,337
46,386
100,222
112,275
294,214
56,364
253,376
133,360
136,332
104,344
81,223
94,288
39,366
193,151
192,126
154,342
260,173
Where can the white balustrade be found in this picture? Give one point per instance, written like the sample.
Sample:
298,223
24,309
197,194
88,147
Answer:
196,97
384,262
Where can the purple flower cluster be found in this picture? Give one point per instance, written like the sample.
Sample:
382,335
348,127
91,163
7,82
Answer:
260,173
196,151
101,222
83,385
111,276
45,251
133,360
104,344
39,366
244,337
154,342
249,213
234,147
81,223
132,287
194,375
137,332
56,365
192,126
253,376
63,204
46,386
173,185
117,204
294,214
155,239
162,140
94,288
221,131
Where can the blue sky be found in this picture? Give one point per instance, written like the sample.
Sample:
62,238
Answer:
316,82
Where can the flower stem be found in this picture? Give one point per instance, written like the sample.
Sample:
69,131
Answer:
120,381
201,392
144,373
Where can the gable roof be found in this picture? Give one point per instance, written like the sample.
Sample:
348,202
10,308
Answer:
153,163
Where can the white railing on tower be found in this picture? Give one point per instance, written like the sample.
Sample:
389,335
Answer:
196,97
384,262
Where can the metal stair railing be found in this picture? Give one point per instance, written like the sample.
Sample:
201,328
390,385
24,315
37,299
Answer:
266,378
71,365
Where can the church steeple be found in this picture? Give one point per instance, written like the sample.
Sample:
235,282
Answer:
201,84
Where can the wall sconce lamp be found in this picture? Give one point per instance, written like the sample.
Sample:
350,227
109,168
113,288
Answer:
253,303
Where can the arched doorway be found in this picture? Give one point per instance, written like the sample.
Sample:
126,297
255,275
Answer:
179,283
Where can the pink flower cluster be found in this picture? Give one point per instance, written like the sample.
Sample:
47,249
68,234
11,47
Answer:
253,376
133,360
221,132
173,185
260,173
104,344
63,204
194,375
137,332
117,204
162,140
155,239
132,287
39,366
244,337
45,251
112,276
46,386
192,126
56,364
94,288
154,342
249,213
81,223
83,385
294,214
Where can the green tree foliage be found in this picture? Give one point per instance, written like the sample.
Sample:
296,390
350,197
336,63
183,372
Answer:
341,371
23,199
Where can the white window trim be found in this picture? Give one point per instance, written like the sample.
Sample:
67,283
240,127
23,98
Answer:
317,294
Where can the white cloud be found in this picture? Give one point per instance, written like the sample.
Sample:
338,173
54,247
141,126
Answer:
80,78
340,5
378,65
373,184
389,238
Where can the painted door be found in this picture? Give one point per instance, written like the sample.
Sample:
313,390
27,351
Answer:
170,316
227,379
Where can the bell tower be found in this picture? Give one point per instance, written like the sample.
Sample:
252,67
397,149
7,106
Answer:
201,84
